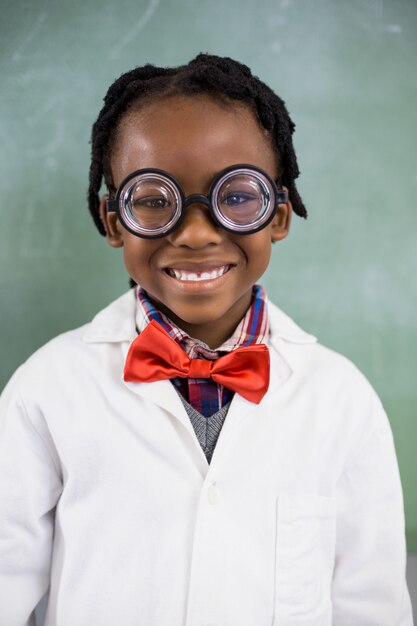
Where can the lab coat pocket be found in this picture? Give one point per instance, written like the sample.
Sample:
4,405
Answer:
304,559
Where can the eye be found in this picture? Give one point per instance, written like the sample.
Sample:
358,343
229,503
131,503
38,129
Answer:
236,198
151,202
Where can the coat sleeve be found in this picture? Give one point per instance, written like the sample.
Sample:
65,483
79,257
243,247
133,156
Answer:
30,485
369,584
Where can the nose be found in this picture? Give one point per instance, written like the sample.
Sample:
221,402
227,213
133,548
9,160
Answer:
197,229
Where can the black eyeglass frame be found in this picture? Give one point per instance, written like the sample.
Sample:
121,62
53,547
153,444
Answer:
117,204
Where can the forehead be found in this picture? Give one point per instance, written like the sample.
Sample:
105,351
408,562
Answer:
190,136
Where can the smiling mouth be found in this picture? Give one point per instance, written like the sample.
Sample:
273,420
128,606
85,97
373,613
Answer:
185,275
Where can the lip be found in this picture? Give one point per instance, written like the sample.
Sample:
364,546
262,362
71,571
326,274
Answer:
206,274
203,266
201,284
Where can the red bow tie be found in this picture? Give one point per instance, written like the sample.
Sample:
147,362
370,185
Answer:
154,355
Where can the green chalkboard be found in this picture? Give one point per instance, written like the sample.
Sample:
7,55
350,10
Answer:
348,72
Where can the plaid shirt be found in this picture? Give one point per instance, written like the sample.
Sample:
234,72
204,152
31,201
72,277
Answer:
204,395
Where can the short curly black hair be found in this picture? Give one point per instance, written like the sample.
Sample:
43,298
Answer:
206,74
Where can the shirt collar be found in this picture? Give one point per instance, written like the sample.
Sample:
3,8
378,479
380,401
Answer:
252,329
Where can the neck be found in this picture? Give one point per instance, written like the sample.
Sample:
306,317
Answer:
209,333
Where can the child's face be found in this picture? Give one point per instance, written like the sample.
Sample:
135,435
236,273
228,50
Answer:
193,139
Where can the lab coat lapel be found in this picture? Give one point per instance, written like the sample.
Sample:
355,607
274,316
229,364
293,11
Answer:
241,409
163,394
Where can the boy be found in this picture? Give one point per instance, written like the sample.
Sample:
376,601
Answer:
237,472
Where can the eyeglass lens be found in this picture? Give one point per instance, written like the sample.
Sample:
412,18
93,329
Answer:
152,203
242,199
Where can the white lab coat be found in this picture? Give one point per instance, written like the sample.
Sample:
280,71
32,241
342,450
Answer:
106,495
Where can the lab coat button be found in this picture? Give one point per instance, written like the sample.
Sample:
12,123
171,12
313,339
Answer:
213,494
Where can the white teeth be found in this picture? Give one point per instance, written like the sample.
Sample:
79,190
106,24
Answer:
183,275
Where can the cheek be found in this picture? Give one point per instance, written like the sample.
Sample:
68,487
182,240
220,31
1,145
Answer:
257,251
138,254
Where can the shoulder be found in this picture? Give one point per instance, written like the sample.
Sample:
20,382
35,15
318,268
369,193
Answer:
316,365
78,351
325,385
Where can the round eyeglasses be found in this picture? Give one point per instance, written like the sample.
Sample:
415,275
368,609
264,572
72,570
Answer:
242,199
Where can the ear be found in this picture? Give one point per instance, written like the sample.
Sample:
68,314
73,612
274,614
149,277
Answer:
280,225
111,225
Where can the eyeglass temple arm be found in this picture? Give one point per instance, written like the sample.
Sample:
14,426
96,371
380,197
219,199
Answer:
282,196
111,205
